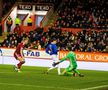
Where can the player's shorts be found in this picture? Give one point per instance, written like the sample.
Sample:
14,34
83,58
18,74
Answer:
17,56
71,68
55,58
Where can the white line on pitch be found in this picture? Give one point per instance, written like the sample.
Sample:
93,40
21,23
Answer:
7,72
97,87
47,87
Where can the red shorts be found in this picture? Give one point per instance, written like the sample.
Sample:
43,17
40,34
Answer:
16,56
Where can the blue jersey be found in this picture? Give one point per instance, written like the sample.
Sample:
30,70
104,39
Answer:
52,49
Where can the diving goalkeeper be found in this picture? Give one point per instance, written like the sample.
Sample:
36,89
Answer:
72,68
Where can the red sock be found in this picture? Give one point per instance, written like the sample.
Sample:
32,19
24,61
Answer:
19,65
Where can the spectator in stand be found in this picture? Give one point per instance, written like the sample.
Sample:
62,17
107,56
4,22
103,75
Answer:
17,21
29,21
9,23
17,28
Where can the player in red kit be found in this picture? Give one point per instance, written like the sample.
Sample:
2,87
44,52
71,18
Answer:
18,54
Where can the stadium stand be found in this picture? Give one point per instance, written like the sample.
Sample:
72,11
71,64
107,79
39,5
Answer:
85,41
71,14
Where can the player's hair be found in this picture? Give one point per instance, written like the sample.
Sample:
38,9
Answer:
54,39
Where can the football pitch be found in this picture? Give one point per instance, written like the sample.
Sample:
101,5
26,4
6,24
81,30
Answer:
33,78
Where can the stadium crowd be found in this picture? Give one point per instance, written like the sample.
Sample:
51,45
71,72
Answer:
83,14
84,41
71,14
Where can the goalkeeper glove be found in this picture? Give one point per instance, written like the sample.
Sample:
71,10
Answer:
54,64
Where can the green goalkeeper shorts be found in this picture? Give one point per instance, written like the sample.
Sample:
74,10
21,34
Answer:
71,68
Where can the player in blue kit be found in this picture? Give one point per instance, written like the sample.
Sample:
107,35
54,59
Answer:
53,51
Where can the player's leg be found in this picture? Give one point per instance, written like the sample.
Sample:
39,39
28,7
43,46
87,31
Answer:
55,59
52,67
21,62
67,71
16,62
74,65
76,72
58,69
64,72
58,66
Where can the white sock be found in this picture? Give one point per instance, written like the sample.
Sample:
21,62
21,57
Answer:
16,62
58,69
51,68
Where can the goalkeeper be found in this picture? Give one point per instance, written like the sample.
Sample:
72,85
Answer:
72,68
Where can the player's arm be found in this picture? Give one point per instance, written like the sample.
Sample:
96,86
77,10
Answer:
49,50
63,59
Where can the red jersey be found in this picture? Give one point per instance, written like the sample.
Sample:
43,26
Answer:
19,48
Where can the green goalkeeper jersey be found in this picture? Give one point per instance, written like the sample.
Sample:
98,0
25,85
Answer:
72,57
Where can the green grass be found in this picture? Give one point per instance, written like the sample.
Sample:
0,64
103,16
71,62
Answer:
32,78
